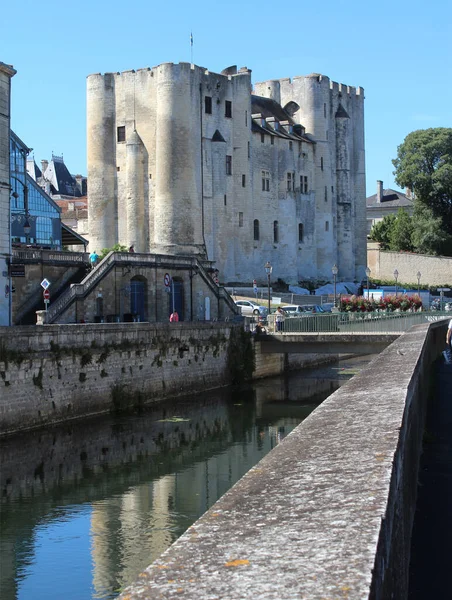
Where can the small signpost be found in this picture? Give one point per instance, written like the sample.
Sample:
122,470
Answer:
46,295
255,287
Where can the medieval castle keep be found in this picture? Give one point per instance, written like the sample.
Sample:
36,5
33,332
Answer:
185,161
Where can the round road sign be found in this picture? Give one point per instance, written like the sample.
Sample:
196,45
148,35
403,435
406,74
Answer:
46,294
167,279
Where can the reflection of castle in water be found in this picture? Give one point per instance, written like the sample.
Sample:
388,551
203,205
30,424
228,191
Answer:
147,477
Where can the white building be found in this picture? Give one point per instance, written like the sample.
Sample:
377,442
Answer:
184,161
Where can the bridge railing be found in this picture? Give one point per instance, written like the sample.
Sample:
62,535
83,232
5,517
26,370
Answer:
376,322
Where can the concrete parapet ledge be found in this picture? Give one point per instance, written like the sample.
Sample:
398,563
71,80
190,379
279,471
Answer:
328,513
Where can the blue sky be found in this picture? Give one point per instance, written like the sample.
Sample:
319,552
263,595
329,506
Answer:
400,51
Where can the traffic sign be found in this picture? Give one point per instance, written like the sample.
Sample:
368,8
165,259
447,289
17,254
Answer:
167,279
45,283
46,294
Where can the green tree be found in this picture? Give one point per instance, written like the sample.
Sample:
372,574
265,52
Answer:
401,232
424,164
381,231
428,235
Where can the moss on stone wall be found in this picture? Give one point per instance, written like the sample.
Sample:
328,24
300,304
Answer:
240,356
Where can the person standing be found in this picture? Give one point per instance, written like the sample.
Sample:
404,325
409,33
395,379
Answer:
279,318
132,248
174,317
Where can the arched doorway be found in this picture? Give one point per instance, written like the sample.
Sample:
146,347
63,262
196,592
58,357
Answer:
176,297
138,299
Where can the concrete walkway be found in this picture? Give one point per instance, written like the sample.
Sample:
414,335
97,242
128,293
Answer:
431,558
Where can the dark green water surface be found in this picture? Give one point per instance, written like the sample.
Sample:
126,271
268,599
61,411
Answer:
85,507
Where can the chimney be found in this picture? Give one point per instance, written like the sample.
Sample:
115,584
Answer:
379,191
44,165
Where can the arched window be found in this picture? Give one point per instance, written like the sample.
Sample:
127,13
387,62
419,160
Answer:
275,232
256,230
300,232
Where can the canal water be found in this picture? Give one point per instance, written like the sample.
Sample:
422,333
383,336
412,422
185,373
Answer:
85,507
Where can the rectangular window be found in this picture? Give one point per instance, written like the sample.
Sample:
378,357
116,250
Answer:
324,110
321,163
228,164
121,133
208,105
290,181
290,146
246,118
228,109
240,219
249,150
272,140
327,225
243,180
326,194
305,184
265,181
262,138
225,200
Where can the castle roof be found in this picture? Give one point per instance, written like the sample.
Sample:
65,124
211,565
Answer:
271,118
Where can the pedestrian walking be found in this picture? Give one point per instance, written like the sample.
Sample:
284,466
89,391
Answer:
174,317
93,258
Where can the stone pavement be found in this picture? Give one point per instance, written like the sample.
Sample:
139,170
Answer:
431,558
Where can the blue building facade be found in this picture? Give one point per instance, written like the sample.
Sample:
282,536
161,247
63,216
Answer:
35,217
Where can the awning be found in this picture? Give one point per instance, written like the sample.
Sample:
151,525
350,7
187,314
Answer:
70,238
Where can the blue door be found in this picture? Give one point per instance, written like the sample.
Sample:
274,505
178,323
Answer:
137,299
177,298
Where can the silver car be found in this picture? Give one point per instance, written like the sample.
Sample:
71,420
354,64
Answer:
251,309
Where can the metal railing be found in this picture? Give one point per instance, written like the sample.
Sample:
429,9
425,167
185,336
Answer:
374,322
40,255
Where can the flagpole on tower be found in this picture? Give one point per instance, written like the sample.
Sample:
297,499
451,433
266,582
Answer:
191,46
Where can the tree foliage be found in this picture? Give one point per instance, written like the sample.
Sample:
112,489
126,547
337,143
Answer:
424,164
422,233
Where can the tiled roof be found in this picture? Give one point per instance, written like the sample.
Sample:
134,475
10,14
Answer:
391,199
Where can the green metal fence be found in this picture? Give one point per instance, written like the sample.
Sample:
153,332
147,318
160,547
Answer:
377,322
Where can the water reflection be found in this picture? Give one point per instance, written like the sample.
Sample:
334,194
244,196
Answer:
96,502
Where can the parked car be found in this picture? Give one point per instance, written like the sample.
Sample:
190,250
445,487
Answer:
250,309
293,310
314,308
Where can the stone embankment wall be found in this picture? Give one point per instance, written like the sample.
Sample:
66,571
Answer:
435,270
57,372
327,513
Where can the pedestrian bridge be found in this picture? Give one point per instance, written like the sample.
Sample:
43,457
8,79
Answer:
326,343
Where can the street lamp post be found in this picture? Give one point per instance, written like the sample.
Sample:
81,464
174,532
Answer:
367,280
418,275
335,271
268,270
396,275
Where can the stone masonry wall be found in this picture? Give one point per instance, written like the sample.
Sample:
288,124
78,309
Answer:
53,373
435,270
